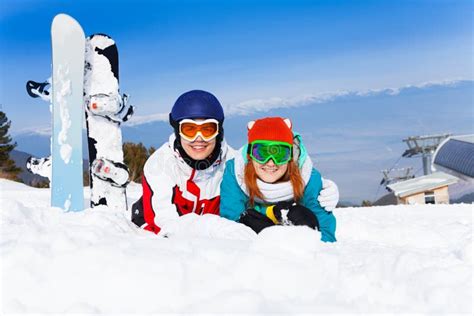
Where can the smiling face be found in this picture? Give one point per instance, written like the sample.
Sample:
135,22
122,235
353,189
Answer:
198,149
269,172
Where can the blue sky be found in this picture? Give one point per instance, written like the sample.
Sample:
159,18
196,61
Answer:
243,50
295,58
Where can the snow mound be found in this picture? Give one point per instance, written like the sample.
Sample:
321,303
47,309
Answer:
393,259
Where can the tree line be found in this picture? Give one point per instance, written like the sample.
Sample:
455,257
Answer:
135,156
8,169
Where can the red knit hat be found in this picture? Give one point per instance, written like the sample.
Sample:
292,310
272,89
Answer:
270,128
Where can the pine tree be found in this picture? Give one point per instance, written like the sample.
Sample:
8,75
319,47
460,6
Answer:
135,156
7,166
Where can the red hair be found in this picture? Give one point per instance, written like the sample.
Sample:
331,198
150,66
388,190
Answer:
292,174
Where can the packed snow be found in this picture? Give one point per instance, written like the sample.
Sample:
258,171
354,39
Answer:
392,259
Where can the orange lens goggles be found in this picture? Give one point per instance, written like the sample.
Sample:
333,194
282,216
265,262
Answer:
191,129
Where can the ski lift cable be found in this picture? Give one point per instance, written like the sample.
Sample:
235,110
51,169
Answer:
401,156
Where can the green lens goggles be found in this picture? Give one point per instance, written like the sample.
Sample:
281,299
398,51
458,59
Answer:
262,150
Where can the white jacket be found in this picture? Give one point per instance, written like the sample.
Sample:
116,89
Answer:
172,188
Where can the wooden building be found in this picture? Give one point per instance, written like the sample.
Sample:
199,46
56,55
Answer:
429,189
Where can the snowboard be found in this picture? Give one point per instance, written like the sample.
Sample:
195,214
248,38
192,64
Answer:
105,110
67,84
36,165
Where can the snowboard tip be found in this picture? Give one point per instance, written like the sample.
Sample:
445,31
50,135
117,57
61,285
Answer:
62,19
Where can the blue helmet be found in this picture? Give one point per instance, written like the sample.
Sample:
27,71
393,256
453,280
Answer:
196,104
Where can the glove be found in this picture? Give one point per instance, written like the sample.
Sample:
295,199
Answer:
255,220
288,213
299,215
278,213
329,195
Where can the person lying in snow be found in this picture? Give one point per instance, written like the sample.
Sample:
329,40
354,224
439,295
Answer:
184,175
272,182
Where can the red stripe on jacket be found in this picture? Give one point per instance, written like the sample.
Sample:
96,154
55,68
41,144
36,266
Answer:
148,212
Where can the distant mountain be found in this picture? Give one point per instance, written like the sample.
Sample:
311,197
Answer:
350,138
467,198
36,144
460,189
388,199
150,134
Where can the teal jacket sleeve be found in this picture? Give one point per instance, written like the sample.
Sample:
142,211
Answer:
327,221
233,200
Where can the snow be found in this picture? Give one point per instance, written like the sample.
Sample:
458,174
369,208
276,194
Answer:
392,259
100,80
67,203
64,90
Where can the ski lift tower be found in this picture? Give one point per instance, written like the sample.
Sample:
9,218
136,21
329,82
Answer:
423,146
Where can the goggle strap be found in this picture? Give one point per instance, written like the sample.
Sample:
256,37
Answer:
199,123
173,123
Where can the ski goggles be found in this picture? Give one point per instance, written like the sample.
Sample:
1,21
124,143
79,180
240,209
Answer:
263,150
191,129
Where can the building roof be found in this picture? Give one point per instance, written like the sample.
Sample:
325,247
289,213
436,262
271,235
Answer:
421,184
456,156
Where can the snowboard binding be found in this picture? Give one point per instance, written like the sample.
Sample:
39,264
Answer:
39,166
38,89
116,173
114,108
